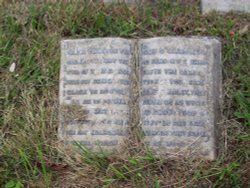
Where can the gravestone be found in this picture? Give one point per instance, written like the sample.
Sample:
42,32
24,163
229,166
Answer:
95,91
225,5
179,86
180,94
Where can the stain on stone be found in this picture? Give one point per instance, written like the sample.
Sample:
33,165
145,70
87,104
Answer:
73,112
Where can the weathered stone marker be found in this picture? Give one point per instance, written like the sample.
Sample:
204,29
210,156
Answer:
225,5
180,92
95,91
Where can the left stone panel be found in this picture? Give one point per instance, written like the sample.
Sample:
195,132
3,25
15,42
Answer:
95,89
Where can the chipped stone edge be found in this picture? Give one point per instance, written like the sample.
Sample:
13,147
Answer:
217,91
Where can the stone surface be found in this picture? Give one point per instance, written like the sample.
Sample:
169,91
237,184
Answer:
95,91
180,94
225,5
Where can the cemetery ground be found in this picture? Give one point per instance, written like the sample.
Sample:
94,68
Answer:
30,153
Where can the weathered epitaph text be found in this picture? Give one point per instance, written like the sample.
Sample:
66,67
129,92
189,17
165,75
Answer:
95,91
179,101
180,90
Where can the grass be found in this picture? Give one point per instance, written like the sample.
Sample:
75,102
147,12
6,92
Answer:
31,155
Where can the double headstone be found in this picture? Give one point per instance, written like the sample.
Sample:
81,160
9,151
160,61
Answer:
179,92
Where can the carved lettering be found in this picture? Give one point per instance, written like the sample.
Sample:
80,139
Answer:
176,94
95,77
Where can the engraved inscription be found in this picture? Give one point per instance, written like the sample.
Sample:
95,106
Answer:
95,75
179,90
176,95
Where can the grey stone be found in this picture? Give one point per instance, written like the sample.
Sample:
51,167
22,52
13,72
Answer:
225,5
95,91
180,94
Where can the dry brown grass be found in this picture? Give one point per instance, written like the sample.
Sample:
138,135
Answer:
29,97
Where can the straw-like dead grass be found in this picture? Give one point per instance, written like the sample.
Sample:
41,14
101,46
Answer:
29,37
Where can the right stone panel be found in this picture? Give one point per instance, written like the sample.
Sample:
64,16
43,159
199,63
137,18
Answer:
180,94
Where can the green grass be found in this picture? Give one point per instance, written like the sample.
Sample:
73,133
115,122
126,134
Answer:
31,155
